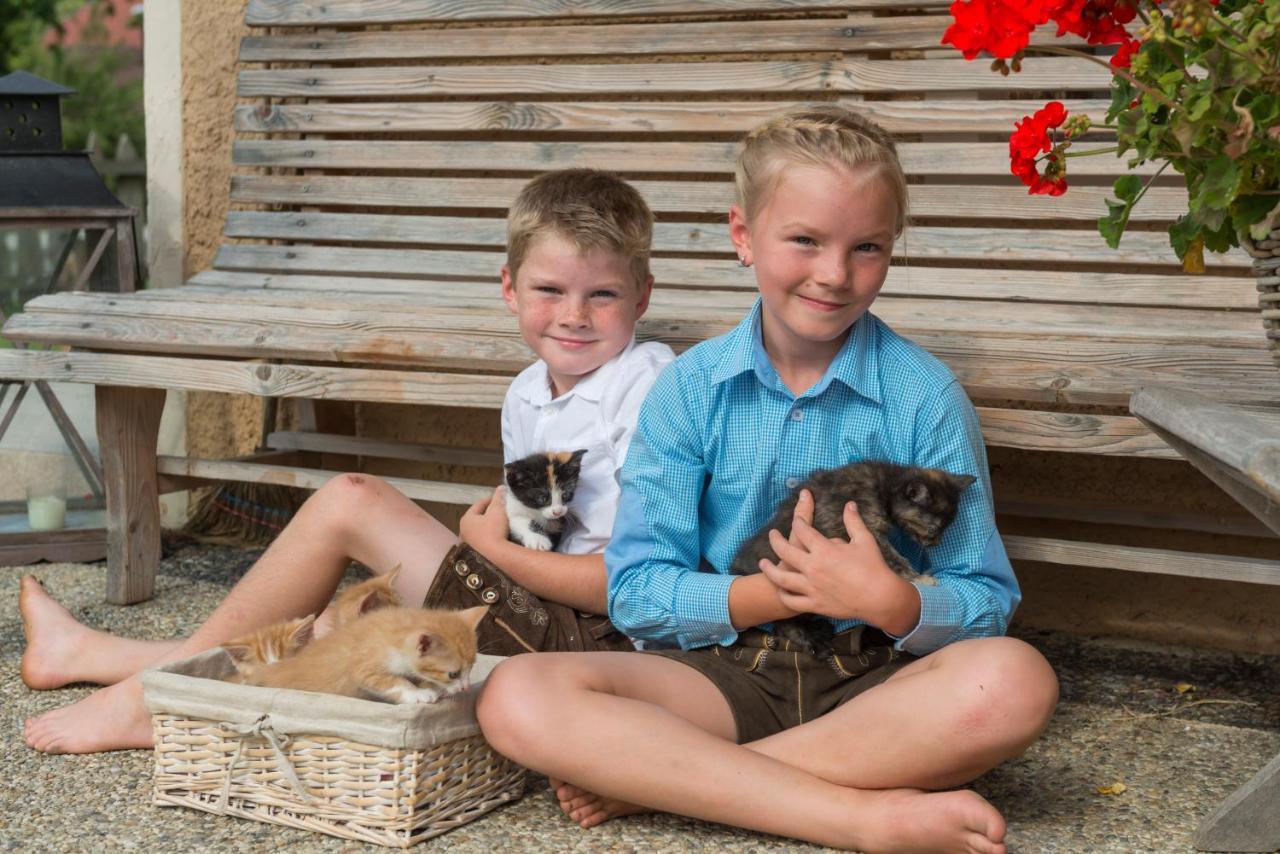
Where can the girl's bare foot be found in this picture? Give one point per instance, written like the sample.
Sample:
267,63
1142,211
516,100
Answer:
908,820
587,808
56,640
111,718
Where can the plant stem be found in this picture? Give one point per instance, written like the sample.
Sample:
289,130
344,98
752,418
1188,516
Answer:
1119,72
1092,151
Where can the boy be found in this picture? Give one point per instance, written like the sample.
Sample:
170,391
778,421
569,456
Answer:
577,279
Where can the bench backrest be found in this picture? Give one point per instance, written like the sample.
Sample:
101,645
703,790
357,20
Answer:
379,144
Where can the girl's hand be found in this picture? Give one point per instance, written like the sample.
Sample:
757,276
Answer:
485,522
845,580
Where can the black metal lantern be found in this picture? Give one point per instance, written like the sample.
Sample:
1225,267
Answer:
43,186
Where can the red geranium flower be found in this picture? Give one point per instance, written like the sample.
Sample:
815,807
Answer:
1125,54
1029,140
998,27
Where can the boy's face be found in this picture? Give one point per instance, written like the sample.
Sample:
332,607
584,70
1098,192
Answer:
576,310
820,245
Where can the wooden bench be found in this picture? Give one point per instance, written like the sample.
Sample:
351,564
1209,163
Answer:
379,143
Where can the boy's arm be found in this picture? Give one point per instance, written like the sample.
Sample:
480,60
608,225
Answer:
976,593
575,580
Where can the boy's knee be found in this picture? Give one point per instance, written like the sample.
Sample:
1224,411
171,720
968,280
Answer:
340,497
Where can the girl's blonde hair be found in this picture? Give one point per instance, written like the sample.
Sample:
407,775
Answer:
819,135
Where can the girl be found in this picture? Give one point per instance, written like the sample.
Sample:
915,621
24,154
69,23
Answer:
924,692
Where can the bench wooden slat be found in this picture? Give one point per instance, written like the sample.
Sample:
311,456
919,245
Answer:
726,117
1134,559
1031,248
844,75
1081,203
1025,429
305,478
670,308
1177,291
310,13
319,382
997,244
700,158
1018,367
839,33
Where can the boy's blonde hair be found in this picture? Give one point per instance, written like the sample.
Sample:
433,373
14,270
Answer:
591,209
820,135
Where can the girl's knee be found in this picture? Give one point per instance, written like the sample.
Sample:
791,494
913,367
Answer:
1012,689
513,707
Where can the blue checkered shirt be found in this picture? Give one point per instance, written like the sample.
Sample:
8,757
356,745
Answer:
721,441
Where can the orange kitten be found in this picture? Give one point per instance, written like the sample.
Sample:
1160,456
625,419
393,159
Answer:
369,595
267,645
397,655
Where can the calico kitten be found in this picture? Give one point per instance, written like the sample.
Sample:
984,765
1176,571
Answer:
920,501
369,595
539,489
267,645
396,655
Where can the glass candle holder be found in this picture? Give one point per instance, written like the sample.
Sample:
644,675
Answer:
47,506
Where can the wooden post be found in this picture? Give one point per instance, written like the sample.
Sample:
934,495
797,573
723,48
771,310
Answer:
128,431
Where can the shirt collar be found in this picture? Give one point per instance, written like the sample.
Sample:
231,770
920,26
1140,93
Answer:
856,365
535,389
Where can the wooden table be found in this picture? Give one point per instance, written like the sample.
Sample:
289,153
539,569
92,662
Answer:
1240,452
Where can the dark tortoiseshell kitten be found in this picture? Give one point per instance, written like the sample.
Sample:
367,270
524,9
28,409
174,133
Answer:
920,501
539,489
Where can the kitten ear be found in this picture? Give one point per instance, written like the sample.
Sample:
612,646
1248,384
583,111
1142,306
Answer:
303,631
425,642
962,481
916,491
576,456
508,470
471,617
389,577
238,650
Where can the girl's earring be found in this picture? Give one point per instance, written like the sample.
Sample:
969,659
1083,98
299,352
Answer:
743,262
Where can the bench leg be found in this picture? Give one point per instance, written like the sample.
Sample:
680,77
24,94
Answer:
1248,820
128,430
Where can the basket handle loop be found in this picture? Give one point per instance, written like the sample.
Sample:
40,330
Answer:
261,728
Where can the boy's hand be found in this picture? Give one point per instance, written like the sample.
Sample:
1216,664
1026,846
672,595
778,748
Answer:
485,522
844,580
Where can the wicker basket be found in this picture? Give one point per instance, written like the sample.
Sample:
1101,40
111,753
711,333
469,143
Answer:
1266,269
388,774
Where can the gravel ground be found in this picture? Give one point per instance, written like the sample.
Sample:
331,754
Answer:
1120,720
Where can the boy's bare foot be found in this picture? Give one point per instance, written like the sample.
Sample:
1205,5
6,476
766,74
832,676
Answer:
56,641
908,820
111,718
587,808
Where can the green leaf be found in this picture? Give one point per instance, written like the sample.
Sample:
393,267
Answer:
1111,226
1127,188
1181,233
1219,186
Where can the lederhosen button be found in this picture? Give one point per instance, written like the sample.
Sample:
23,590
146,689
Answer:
473,581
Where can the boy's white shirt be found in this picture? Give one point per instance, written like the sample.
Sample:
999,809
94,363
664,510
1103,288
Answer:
599,413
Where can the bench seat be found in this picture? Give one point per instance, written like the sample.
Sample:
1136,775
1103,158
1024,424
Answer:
378,146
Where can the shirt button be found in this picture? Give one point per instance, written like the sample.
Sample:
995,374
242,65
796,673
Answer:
792,482
797,415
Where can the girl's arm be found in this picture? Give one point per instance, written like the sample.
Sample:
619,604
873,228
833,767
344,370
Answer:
976,593
656,591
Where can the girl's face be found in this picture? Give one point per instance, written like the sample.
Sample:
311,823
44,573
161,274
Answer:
820,245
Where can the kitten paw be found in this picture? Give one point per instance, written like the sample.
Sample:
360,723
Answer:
537,542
